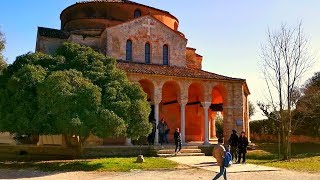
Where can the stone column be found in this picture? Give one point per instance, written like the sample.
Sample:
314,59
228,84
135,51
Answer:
156,116
183,104
128,142
213,129
156,101
6,138
206,106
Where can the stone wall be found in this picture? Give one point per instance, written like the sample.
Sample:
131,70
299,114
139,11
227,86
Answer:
48,45
194,60
160,35
293,138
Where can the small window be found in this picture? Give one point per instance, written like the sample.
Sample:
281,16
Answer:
165,55
129,50
137,13
147,54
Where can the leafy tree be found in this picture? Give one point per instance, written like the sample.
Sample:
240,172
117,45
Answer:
77,91
252,109
3,63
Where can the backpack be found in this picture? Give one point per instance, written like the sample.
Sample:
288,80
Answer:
227,162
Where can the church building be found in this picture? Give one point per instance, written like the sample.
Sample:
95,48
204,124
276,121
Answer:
149,47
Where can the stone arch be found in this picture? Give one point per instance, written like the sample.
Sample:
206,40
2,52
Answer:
148,88
195,112
219,101
170,107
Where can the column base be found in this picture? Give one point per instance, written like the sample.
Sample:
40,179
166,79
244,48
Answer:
206,143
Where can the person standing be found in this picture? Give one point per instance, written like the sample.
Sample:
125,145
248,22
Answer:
233,142
166,133
219,152
153,133
162,130
177,140
242,147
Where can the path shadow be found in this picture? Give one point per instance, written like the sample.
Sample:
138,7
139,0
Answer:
206,164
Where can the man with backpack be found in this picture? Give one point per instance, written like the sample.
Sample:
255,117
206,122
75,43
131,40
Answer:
219,152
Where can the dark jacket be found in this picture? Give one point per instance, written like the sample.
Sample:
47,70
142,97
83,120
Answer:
177,136
243,144
233,141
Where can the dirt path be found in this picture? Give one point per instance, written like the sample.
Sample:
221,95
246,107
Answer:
186,174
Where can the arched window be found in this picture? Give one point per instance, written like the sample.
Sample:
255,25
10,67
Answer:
147,53
137,13
129,50
165,55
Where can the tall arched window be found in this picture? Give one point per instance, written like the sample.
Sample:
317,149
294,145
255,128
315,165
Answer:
147,53
137,13
165,55
129,50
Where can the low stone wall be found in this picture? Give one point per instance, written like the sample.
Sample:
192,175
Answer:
32,152
293,138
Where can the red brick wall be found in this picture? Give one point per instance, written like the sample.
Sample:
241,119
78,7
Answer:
293,138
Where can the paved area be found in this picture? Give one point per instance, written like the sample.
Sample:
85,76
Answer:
209,163
183,174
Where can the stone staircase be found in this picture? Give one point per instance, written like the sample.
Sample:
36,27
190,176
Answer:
168,151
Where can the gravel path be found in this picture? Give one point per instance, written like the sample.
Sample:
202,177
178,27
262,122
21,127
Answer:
186,174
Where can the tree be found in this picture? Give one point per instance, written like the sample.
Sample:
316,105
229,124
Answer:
285,59
308,107
75,92
3,63
252,109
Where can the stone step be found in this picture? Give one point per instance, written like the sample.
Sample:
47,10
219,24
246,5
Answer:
173,147
182,154
171,151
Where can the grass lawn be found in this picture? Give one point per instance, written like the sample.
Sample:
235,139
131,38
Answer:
105,164
305,157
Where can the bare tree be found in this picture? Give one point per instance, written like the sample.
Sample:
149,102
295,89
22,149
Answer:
285,59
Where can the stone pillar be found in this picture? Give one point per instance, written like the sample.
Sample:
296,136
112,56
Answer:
6,138
206,106
183,104
156,116
213,129
128,142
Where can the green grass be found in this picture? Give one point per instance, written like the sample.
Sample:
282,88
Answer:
105,164
305,157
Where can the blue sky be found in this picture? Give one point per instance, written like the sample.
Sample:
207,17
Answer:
227,33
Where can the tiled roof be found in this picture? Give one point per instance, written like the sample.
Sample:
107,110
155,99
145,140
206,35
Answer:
141,68
53,33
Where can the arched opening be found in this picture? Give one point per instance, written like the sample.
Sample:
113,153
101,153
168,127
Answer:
165,54
216,121
129,50
137,13
170,107
195,113
147,53
148,88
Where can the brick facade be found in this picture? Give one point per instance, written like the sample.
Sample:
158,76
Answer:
180,92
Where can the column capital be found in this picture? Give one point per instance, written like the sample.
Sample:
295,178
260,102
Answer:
206,105
183,102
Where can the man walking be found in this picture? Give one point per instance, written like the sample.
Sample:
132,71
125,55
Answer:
242,147
219,153
177,140
233,142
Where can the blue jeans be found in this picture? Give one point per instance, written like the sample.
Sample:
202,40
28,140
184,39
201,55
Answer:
223,171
